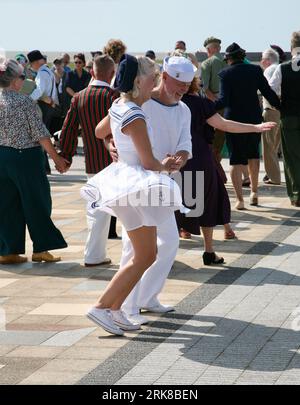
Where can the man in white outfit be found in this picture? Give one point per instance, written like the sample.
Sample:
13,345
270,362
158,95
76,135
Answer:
170,120
89,107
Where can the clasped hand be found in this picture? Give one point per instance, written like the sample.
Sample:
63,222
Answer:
61,164
172,163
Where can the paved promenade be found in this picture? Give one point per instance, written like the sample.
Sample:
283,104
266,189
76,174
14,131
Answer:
234,324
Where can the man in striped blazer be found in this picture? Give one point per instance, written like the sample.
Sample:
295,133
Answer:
88,108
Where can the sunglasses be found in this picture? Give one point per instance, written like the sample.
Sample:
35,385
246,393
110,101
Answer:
78,63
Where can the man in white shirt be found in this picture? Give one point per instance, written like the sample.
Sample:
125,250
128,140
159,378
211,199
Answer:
45,80
170,120
89,107
45,93
271,139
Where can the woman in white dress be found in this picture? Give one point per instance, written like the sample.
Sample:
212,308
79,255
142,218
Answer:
133,189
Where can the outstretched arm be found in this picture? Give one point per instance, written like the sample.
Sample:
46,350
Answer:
217,121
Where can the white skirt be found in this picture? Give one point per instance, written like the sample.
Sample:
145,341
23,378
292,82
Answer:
119,186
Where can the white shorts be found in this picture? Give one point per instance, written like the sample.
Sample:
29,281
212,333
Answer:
135,217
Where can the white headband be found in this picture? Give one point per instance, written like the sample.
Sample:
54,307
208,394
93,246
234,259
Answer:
179,68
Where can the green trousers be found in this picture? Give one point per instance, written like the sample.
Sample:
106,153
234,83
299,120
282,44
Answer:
290,133
25,200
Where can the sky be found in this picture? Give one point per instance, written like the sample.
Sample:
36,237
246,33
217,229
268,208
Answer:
86,25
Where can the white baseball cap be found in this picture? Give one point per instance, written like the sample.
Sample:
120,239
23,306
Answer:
180,68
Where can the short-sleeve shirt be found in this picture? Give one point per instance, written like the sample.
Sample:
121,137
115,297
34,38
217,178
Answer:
77,83
21,127
171,127
210,70
123,114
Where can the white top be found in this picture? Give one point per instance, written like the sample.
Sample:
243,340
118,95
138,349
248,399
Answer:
268,73
171,128
276,79
127,184
45,85
98,83
121,115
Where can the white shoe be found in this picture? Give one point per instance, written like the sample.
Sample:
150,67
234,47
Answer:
160,309
239,205
137,319
103,318
123,322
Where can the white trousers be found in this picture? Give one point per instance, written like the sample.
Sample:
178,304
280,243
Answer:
145,293
98,227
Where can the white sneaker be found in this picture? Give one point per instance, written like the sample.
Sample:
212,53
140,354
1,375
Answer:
103,318
160,309
239,205
137,319
123,322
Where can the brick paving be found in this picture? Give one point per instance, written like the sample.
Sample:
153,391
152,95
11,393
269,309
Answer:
235,324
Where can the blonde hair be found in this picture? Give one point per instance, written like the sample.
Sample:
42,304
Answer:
146,66
9,71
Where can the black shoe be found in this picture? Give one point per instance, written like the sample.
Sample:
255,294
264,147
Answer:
246,183
266,178
113,236
211,258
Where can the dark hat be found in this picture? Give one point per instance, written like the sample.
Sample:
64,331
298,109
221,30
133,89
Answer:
233,50
212,40
34,56
96,53
150,54
126,73
58,61
281,53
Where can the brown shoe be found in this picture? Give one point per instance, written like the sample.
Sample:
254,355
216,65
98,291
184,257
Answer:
12,259
45,257
105,261
295,203
253,199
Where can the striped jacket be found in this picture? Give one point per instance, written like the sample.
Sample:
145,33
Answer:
87,109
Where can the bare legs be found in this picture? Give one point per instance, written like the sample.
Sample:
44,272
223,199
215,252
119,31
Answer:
236,178
254,172
144,242
245,173
208,239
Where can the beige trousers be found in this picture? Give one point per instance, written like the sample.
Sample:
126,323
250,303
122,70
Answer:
271,143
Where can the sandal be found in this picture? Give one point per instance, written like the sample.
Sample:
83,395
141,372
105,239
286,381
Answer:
185,234
229,235
246,182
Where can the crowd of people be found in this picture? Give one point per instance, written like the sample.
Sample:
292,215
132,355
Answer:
142,125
